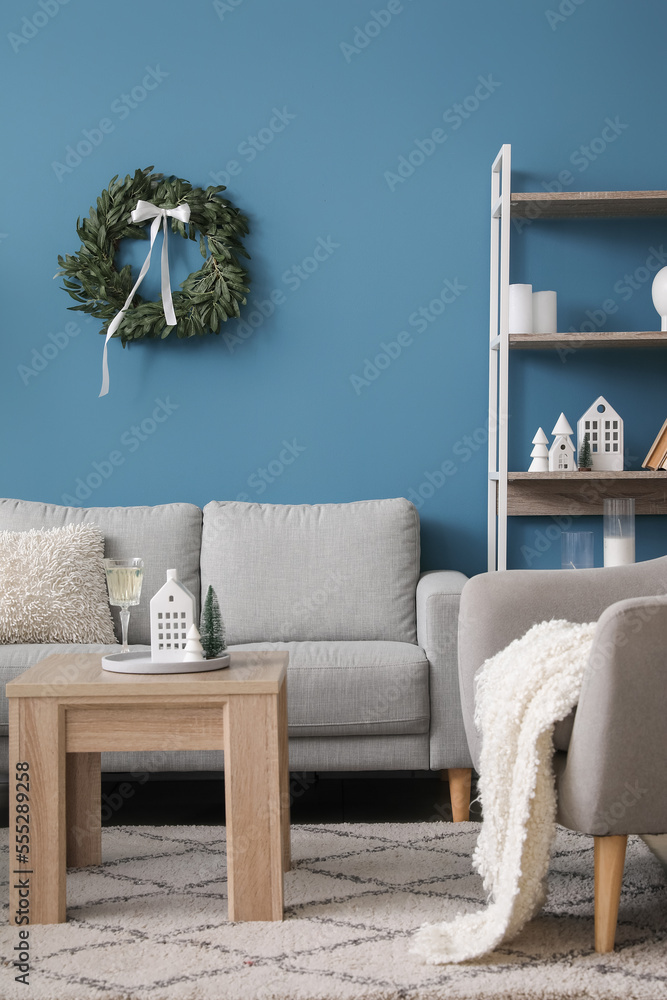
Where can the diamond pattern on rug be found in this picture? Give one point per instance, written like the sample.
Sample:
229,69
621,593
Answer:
150,923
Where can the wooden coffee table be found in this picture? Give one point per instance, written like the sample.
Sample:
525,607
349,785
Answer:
65,710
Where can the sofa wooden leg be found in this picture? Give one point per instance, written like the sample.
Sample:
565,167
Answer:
459,792
609,862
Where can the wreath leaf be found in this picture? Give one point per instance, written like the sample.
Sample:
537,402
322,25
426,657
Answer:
213,293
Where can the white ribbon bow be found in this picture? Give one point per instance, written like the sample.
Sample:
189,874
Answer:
146,210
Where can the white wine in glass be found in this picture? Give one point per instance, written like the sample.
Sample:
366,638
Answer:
124,579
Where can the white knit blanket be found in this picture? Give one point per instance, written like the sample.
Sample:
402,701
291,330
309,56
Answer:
520,694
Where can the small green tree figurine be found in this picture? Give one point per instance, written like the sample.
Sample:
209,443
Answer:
585,457
212,630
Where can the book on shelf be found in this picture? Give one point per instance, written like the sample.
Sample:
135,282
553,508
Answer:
657,454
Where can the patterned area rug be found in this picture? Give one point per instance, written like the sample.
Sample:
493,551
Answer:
150,923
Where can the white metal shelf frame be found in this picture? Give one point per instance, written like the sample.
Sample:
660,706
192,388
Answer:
503,495
501,182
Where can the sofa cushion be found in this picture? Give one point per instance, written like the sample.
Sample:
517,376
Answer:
164,537
52,586
343,571
16,658
354,688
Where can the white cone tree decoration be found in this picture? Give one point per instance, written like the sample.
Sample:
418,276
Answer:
562,426
540,453
193,647
561,453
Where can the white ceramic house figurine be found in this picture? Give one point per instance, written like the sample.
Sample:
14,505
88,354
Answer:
540,453
605,433
172,616
561,453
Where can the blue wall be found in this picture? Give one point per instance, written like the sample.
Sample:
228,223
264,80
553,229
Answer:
335,110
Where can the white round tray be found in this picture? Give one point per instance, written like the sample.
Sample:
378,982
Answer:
141,663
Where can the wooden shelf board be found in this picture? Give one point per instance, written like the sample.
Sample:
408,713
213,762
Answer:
576,493
588,204
601,474
585,341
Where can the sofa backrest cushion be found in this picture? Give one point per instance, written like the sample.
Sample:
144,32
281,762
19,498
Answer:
165,537
343,571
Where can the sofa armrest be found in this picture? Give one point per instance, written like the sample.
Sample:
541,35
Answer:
438,597
497,608
614,780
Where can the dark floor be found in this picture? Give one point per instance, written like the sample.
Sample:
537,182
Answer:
404,797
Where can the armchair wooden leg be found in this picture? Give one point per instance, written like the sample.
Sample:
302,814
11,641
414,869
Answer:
609,862
459,792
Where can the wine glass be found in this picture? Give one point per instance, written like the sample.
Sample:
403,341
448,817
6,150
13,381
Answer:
124,579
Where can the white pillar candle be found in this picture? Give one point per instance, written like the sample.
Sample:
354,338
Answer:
521,309
544,312
619,551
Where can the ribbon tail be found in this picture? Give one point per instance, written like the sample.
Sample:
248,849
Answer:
118,318
105,369
167,303
105,374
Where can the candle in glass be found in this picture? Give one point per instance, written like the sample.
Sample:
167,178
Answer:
577,550
619,531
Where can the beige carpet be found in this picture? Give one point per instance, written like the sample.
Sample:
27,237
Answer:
150,923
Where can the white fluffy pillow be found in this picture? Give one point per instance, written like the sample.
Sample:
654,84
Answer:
53,586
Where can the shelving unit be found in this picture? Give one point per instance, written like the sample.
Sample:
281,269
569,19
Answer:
575,493
552,493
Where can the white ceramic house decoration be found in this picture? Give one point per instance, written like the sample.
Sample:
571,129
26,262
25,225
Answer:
540,453
605,432
172,616
561,453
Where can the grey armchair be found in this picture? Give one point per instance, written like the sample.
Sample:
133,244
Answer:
611,752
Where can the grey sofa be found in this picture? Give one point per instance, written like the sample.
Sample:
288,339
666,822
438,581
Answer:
372,682
611,752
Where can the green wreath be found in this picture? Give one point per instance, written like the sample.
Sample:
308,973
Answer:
208,297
